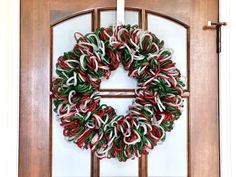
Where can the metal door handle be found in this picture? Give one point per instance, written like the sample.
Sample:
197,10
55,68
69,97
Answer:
218,26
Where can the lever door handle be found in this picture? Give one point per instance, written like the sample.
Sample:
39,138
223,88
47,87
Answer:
218,26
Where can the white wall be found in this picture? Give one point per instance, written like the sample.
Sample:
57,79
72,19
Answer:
9,69
228,89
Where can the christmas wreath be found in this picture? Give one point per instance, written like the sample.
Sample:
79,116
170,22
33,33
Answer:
158,98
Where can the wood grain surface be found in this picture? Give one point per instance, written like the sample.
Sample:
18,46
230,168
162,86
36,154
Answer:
37,16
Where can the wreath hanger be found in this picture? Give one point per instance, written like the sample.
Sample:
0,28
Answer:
120,8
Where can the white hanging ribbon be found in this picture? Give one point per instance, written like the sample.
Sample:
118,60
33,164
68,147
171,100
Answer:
120,15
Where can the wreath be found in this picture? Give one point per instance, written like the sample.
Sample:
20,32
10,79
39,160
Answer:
158,98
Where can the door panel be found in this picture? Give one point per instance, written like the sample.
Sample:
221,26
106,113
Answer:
175,36
43,150
108,17
66,157
113,168
63,35
175,148
111,83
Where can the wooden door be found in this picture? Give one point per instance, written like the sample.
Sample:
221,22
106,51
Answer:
185,21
